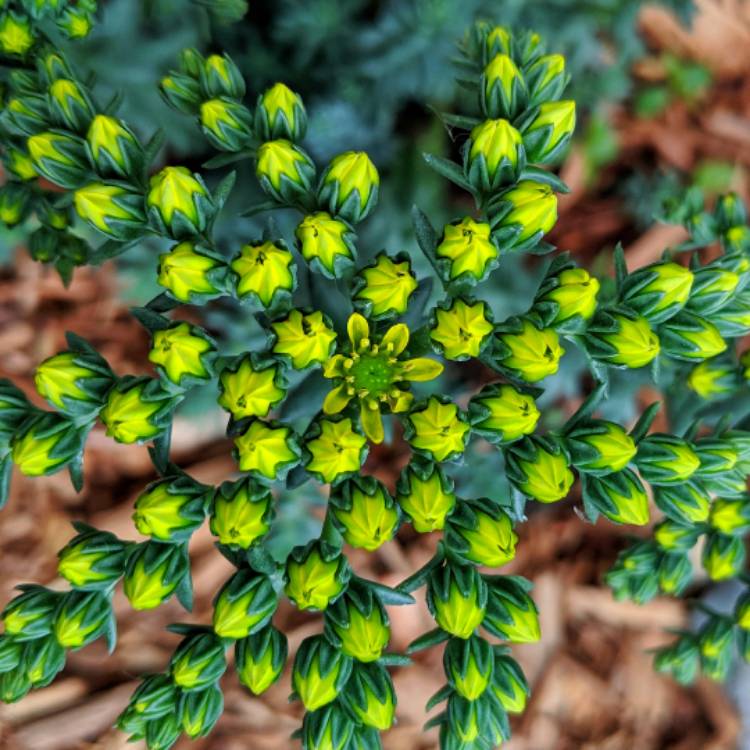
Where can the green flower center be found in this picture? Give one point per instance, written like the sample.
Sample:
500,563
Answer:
372,373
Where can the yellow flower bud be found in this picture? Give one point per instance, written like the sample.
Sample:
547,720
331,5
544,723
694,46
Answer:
260,659
81,618
280,114
546,136
248,390
461,330
72,381
370,696
511,613
266,450
690,337
244,605
16,36
498,40
666,459
70,105
45,444
730,516
574,295
285,171
60,157
326,243
426,498
198,661
319,673
357,623
457,597
502,413
181,354
723,556
386,286
179,202
367,516
467,247
112,146
438,429
129,415
539,469
111,209
241,513
305,339
219,75
509,684
265,271
658,291
76,22
493,152
601,447
186,273
482,533
20,164
153,573
336,450
533,210
504,88
315,575
627,342
531,353
468,665
349,186
546,78
170,510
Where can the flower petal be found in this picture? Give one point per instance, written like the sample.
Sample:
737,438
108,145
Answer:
396,336
358,329
334,367
372,422
401,402
336,400
421,368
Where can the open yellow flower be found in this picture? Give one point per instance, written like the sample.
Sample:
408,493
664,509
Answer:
462,329
439,430
373,373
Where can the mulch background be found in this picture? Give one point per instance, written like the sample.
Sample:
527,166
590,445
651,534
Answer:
593,686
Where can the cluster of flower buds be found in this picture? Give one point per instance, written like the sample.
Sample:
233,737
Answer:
80,387
699,484
91,162
710,650
699,480
22,24
41,625
519,124
719,289
331,200
484,683
350,357
28,109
